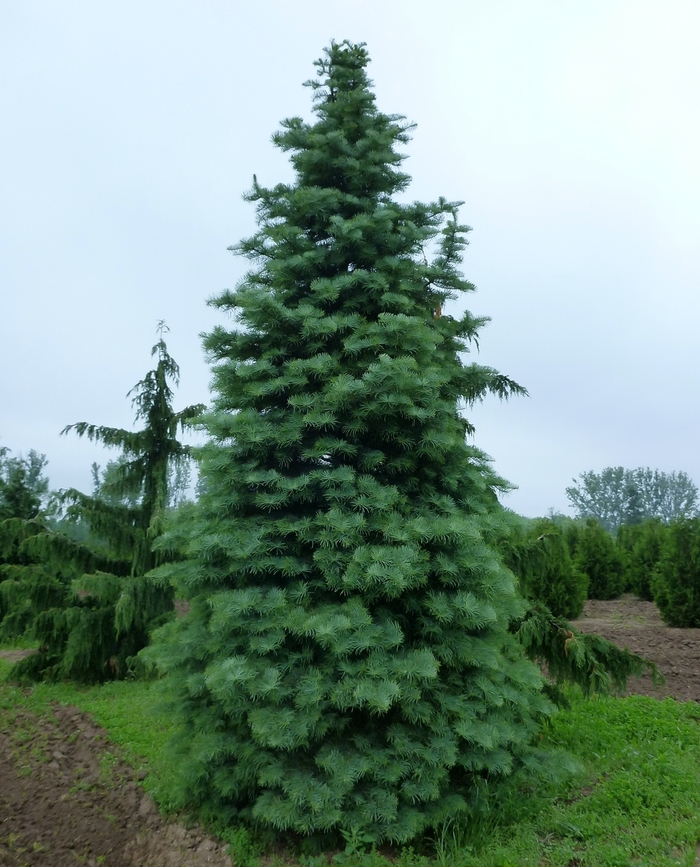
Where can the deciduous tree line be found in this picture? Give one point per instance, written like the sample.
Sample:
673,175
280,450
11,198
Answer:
618,496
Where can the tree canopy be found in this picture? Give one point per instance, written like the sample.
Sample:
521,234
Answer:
618,496
23,485
134,492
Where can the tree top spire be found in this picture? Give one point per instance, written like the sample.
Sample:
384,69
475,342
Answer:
342,70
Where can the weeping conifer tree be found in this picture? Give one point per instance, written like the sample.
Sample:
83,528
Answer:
134,494
102,603
346,669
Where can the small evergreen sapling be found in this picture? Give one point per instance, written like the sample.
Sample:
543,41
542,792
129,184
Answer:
346,668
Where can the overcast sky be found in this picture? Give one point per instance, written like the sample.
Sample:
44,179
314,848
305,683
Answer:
571,131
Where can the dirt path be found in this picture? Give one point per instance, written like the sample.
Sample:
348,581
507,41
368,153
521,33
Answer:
629,622
66,800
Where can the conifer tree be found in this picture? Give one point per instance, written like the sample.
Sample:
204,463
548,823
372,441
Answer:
641,546
147,458
537,553
675,581
346,666
598,558
23,496
101,603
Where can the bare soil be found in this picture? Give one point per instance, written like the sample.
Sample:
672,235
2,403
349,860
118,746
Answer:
67,799
637,625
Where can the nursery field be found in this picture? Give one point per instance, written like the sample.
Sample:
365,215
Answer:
82,769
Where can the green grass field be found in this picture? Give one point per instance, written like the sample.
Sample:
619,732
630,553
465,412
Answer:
635,802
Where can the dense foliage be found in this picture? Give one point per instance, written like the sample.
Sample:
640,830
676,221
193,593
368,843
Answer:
26,584
23,485
23,495
134,493
538,554
596,555
592,662
618,496
346,668
676,580
641,546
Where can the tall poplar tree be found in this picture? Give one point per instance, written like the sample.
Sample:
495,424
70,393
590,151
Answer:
346,667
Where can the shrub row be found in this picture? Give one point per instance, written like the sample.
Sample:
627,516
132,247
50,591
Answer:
560,562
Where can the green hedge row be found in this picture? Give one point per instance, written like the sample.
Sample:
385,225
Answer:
560,562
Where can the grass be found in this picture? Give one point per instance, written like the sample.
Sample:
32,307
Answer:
635,804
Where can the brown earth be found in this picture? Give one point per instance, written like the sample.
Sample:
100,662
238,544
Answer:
637,625
66,799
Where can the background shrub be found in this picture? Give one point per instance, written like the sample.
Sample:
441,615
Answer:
640,545
596,555
676,579
538,554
